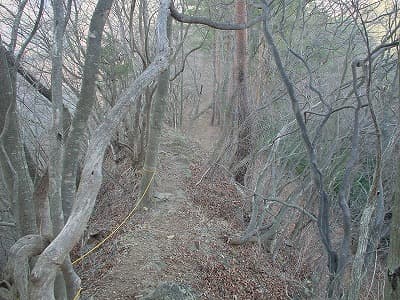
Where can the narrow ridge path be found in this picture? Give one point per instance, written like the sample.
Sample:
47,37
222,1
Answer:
182,239
152,249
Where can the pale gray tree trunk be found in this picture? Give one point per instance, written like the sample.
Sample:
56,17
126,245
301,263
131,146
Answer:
18,265
392,283
374,193
57,135
13,161
78,135
215,117
10,229
155,129
16,185
43,274
392,280
227,84
181,79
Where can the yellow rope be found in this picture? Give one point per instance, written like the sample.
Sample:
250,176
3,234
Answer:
78,293
119,226
148,170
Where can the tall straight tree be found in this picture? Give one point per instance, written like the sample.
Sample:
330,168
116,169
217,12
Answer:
241,92
392,286
78,135
55,157
155,127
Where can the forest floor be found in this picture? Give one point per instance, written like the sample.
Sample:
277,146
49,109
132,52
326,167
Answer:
182,237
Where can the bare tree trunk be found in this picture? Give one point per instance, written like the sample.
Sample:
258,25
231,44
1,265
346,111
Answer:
374,192
181,78
227,84
241,93
87,98
392,280
13,161
155,129
144,136
134,134
217,78
44,271
11,230
56,135
18,264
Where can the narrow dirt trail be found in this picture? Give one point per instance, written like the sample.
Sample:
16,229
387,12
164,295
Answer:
154,242
149,245
182,239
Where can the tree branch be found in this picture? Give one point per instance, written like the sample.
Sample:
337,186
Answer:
30,78
30,37
184,61
206,21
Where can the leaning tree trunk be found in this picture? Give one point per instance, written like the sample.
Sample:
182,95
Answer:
43,274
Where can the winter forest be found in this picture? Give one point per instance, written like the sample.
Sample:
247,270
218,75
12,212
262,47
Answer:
188,149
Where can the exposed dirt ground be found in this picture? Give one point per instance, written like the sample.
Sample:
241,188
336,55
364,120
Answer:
183,237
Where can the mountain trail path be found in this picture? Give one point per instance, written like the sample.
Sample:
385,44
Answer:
182,237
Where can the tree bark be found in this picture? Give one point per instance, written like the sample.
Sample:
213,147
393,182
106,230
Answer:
217,78
18,264
156,123
8,193
57,135
87,98
392,280
48,262
241,94
23,206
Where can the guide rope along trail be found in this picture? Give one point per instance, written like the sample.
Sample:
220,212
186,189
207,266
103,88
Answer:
116,229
